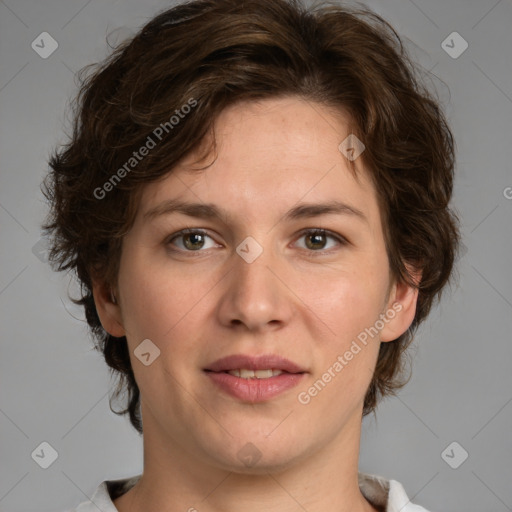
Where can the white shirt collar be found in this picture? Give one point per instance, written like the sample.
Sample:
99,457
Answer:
376,489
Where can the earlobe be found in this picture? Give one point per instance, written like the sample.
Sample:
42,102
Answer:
401,308
108,309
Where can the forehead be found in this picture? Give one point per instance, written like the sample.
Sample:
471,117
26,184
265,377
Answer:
270,155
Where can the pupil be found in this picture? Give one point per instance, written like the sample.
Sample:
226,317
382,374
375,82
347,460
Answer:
193,245
318,238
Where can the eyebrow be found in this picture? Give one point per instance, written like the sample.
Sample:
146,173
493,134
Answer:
211,211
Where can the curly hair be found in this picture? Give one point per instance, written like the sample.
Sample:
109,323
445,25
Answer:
210,54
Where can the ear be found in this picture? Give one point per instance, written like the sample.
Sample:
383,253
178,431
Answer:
401,307
108,309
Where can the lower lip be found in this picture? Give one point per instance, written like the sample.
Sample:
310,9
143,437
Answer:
255,390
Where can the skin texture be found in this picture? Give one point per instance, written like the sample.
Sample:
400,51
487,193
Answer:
303,298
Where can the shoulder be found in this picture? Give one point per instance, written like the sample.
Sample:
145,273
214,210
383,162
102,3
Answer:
105,493
390,495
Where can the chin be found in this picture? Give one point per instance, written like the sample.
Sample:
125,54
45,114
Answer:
258,456
264,465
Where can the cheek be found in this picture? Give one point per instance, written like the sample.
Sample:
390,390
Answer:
162,301
347,356
153,302
348,303
159,305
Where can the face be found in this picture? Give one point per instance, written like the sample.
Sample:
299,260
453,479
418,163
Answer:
262,274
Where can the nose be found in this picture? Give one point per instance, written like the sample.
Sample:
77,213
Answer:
255,295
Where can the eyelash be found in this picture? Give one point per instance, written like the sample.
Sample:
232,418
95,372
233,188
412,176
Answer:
310,231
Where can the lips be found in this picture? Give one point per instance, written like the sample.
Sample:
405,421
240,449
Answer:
254,363
254,379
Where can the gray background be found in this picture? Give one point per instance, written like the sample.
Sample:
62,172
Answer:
54,387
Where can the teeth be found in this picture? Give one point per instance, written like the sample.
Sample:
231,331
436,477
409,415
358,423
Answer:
258,374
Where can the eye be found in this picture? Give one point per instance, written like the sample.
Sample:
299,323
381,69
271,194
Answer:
193,240
316,239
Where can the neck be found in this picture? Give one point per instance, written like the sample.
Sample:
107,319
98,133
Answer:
176,479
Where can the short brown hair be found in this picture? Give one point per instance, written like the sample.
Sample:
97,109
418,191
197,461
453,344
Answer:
216,53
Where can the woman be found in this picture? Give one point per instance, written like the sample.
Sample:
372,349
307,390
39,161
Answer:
255,201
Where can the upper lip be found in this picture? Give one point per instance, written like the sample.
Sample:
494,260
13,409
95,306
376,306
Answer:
262,362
